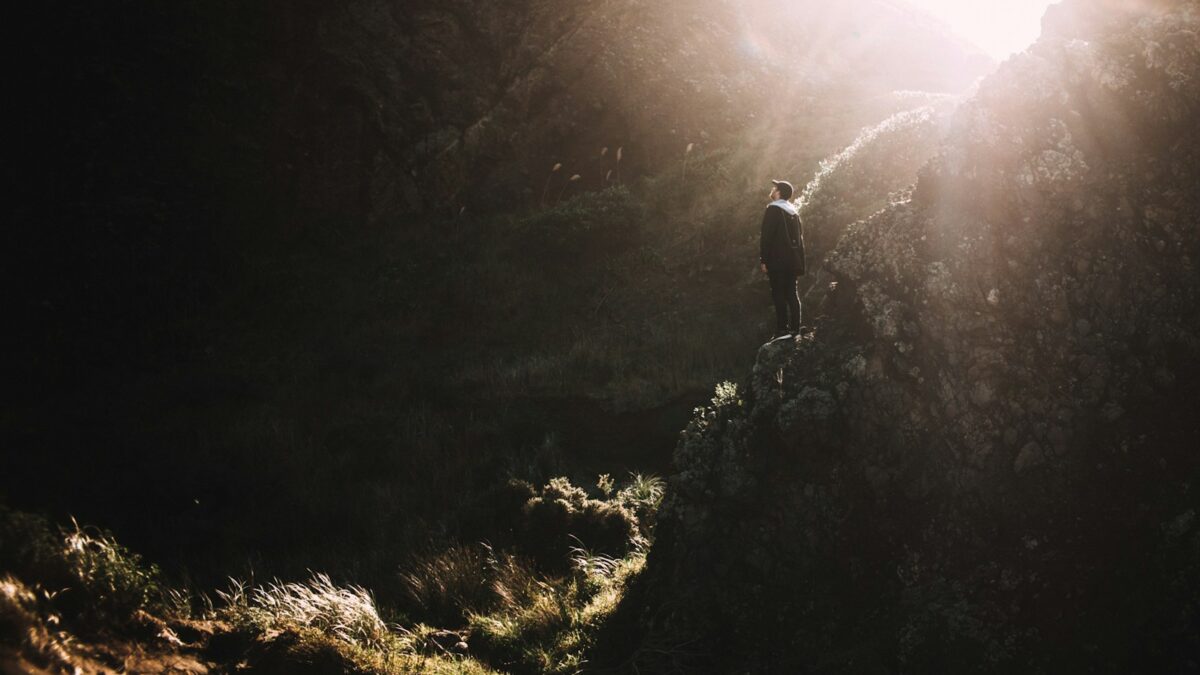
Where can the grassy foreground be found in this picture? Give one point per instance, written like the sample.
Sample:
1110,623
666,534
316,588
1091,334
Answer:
73,599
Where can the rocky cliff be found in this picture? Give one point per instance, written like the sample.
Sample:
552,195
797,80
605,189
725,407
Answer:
983,455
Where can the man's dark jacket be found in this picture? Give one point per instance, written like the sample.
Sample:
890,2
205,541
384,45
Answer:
781,232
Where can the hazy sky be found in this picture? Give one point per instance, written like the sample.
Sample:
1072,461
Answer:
999,27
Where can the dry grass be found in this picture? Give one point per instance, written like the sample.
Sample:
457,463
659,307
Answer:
447,587
345,613
553,629
318,620
28,635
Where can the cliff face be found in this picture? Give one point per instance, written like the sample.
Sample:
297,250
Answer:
984,455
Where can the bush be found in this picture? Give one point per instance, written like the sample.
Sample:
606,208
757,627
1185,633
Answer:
547,524
99,581
563,516
861,179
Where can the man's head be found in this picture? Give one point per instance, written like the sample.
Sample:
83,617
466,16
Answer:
783,189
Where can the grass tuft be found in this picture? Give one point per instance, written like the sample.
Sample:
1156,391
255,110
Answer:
345,613
96,581
446,588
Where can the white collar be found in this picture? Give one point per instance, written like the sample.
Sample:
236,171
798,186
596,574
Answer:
786,206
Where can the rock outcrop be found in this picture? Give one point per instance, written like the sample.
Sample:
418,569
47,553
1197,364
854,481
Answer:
985,455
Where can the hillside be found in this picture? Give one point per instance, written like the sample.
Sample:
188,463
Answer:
982,456
251,301
366,329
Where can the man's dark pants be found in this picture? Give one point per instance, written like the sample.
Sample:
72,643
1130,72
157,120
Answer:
787,301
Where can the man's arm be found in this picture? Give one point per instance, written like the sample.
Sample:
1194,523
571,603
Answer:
800,240
763,236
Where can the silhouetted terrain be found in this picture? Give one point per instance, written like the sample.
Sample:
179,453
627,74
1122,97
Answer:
380,290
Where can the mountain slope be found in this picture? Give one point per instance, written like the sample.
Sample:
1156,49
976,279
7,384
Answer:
244,239
368,111
983,458
498,95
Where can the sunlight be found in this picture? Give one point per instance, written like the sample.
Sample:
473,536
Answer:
999,27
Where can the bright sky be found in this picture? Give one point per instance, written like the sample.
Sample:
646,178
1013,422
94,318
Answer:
999,27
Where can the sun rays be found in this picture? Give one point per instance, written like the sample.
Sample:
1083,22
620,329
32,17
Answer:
999,27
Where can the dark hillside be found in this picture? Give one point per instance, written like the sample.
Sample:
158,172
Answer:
370,321
295,273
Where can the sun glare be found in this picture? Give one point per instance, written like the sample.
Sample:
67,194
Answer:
998,27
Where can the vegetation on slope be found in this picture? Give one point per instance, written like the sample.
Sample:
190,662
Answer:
75,598
246,354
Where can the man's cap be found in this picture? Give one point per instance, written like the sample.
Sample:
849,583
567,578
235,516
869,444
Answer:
785,188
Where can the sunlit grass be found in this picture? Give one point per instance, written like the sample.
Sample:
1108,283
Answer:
341,621
552,631
345,613
519,612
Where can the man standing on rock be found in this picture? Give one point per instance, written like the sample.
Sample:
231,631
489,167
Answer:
781,255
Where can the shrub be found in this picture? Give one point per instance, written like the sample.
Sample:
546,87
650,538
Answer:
109,574
563,515
98,581
860,180
544,524
643,495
